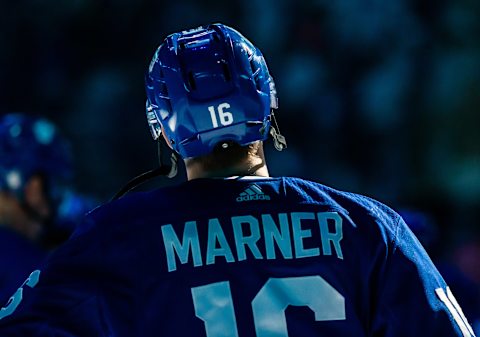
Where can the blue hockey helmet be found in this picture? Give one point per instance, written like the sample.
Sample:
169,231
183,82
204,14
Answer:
207,86
29,146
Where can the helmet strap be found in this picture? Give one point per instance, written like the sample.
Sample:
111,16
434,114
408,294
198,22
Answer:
169,171
173,160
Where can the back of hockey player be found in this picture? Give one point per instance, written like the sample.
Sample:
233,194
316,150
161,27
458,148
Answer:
232,251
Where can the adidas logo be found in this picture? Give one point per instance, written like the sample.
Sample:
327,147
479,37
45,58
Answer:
252,192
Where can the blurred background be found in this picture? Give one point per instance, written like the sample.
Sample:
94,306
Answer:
376,97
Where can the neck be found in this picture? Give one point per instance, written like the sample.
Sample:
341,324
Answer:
249,163
194,172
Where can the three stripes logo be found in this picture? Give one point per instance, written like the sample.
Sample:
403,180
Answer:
252,192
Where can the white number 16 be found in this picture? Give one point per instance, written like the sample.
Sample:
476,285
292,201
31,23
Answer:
226,118
214,305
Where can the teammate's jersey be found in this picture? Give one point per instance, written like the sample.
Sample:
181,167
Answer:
224,257
18,257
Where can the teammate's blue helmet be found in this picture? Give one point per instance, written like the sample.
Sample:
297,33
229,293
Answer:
29,146
207,86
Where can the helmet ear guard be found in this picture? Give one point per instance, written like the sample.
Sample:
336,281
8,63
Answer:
279,140
273,95
153,122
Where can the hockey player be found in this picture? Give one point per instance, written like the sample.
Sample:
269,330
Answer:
34,161
38,207
232,251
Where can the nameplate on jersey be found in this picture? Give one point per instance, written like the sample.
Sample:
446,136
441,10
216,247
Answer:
268,236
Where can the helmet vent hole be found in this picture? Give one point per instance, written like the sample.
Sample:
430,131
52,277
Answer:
253,66
257,83
168,104
163,89
215,37
226,71
191,81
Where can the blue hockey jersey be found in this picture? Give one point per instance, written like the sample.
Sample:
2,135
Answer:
238,257
18,257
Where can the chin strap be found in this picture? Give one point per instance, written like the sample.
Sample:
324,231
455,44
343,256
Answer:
174,166
169,171
279,141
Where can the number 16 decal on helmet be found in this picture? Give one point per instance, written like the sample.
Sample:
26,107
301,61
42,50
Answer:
226,118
